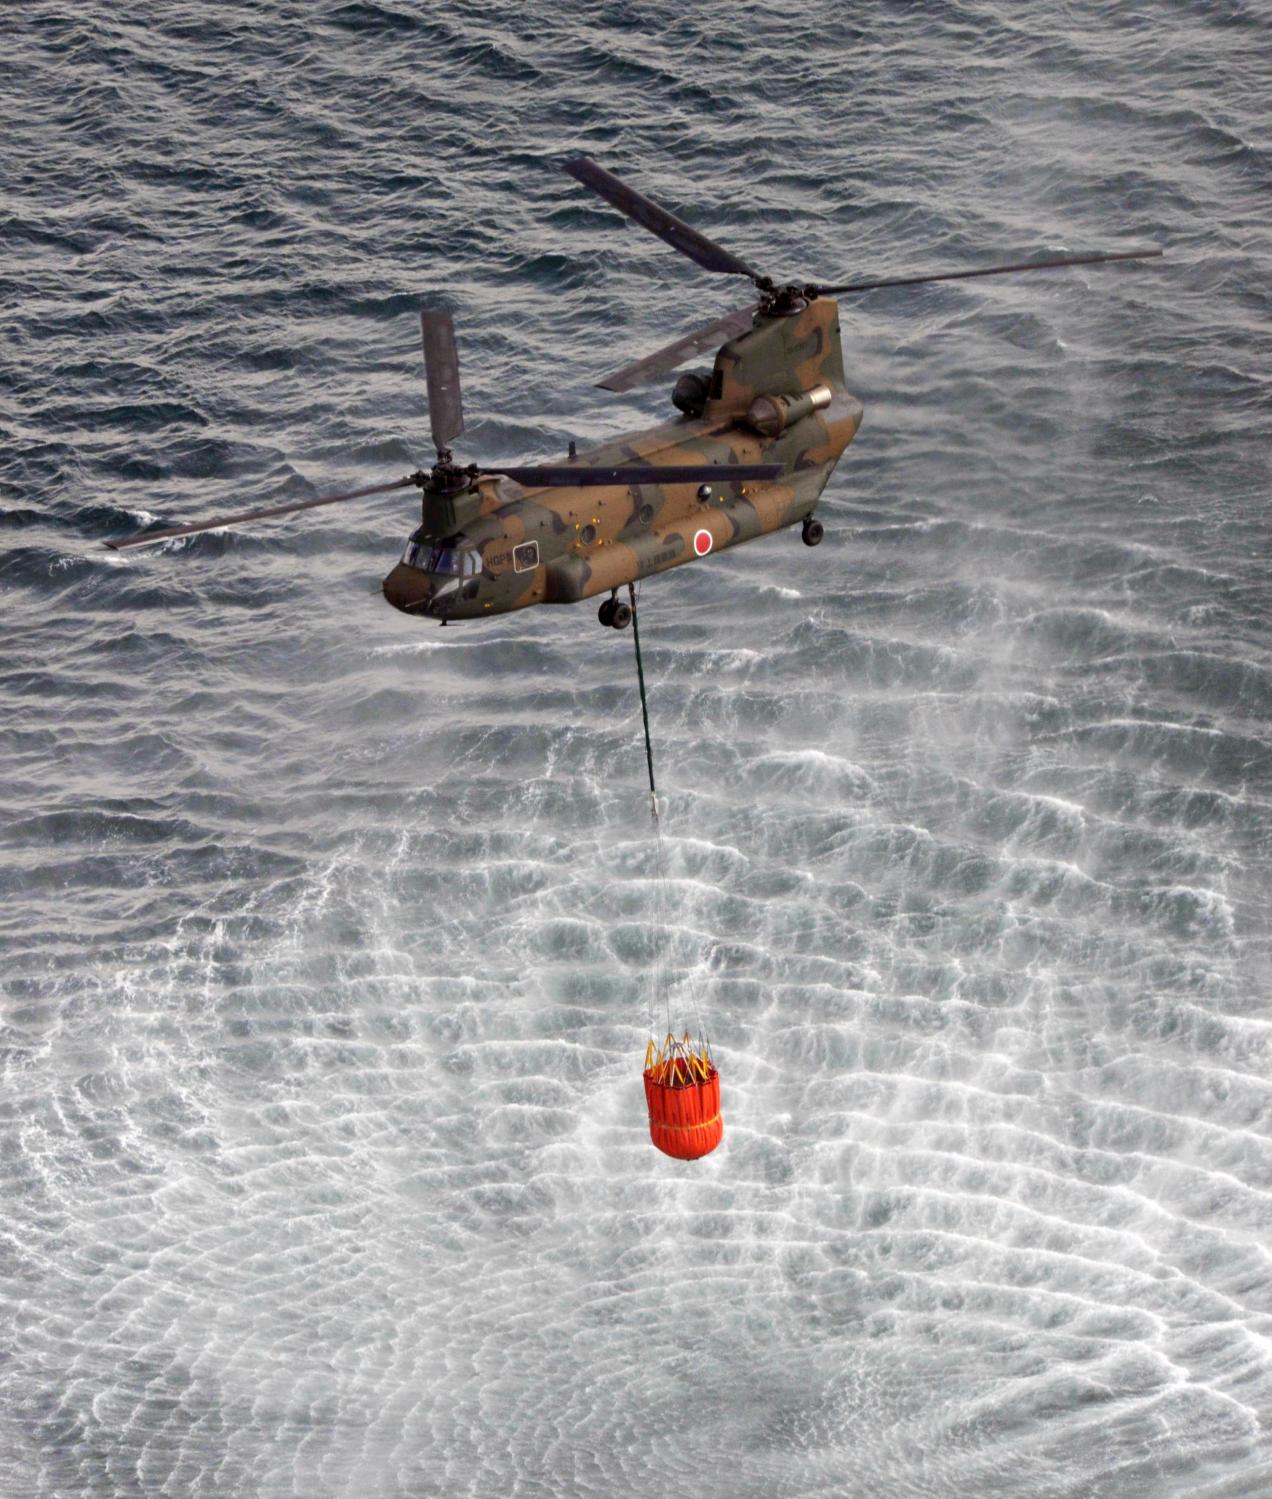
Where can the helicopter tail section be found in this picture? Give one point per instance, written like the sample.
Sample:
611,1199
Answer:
784,355
784,379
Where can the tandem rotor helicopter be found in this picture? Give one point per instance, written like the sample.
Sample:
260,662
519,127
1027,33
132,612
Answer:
756,441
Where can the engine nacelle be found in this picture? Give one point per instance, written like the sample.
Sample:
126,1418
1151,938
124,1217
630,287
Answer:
772,415
691,392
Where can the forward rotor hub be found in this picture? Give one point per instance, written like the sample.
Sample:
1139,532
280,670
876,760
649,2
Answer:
446,476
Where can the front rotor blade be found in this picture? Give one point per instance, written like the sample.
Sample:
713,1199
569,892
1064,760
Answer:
673,355
993,270
563,476
648,214
149,538
441,370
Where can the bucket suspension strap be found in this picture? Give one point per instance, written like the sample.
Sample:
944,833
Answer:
644,706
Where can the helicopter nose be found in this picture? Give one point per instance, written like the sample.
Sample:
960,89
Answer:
409,590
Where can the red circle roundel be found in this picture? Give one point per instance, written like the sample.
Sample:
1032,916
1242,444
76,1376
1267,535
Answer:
702,542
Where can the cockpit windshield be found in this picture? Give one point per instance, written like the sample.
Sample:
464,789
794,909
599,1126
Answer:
446,559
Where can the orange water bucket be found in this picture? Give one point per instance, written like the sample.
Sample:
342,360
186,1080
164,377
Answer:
682,1090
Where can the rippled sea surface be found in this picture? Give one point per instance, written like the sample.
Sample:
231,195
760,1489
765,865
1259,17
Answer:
328,936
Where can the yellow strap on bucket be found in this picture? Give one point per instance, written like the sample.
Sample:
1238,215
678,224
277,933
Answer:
706,1124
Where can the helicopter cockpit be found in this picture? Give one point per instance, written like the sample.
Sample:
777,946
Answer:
451,557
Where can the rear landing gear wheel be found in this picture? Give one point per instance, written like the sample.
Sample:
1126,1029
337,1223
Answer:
606,612
621,616
813,532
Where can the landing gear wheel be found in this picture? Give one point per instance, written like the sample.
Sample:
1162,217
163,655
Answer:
621,616
606,612
813,532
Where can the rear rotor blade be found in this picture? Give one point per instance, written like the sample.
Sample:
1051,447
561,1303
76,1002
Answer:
673,355
993,270
441,369
649,215
563,476
149,538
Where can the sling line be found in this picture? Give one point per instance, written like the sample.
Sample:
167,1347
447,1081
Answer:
644,706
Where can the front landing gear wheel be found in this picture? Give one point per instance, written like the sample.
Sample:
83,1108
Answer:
621,616
813,532
606,612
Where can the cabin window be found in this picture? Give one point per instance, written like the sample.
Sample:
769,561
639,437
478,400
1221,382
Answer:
526,556
588,535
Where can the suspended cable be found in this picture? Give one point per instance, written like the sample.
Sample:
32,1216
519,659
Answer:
644,704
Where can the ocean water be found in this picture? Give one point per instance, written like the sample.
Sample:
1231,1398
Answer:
328,938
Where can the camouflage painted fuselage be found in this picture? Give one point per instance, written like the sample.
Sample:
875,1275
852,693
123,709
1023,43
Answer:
591,541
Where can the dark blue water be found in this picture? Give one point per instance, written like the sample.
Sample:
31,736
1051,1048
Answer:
327,936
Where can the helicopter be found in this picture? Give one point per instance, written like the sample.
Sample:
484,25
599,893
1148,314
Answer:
753,447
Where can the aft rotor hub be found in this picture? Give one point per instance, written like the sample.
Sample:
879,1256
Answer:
783,301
